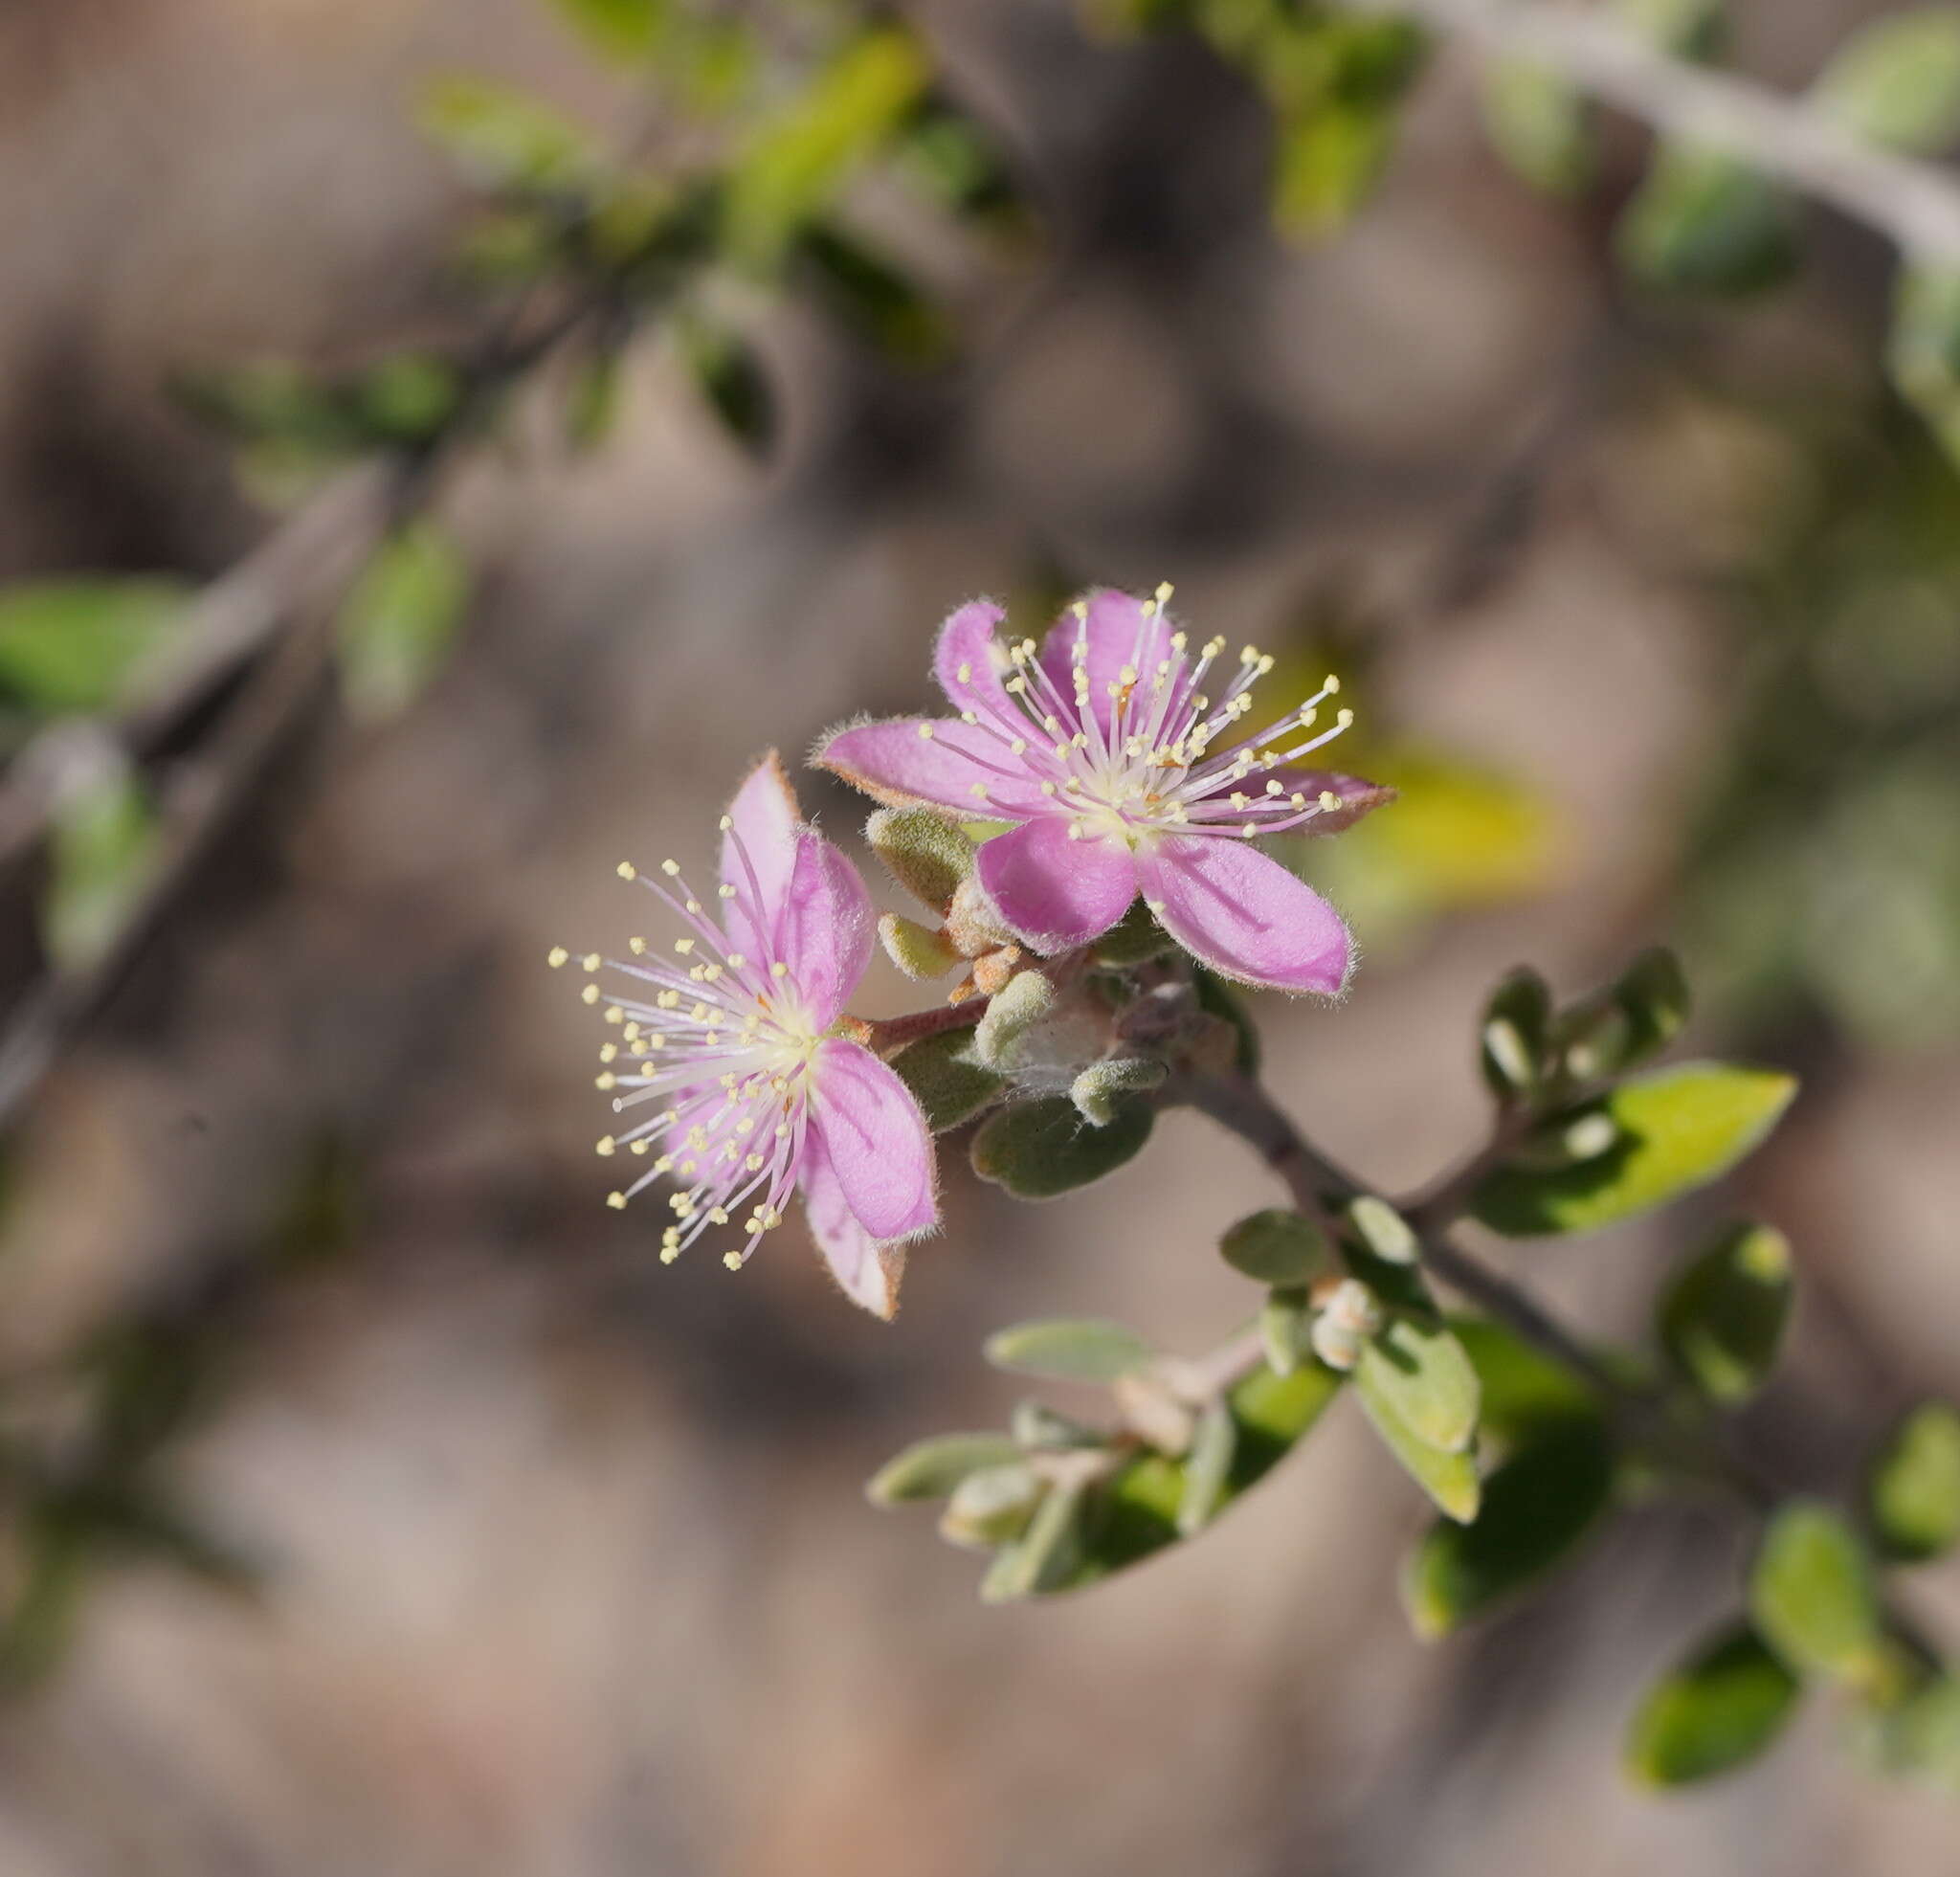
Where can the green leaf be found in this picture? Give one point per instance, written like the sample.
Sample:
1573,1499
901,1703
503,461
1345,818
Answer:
623,30
1537,1507
1207,1468
1047,1558
1421,1374
1914,1486
68,645
1811,1593
1541,126
397,624
101,838
870,294
948,1086
1897,82
1041,1149
1520,1392
930,1470
1285,1329
406,398
1515,1033
1324,162
1068,1348
1724,1316
1688,29
1449,1478
504,138
1635,1016
1717,1712
1385,1233
1277,1246
796,166
1923,352
1134,1514
1702,222
731,373
927,855
1678,1128
991,1506
1920,1735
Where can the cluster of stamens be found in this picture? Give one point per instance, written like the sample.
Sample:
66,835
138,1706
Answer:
1153,768
720,1040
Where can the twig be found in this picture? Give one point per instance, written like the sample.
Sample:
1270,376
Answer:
1915,204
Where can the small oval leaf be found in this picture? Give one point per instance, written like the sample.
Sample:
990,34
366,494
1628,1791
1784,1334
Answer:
1420,1370
1722,1317
1897,83
1678,1128
1914,1486
930,1470
1717,1712
1069,1349
1041,1149
1811,1593
1449,1478
1277,1246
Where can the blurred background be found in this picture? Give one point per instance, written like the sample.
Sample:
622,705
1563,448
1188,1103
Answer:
374,1501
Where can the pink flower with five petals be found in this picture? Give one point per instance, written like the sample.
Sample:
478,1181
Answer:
731,1045
1124,773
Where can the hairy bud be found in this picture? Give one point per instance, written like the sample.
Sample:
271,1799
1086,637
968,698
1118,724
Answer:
929,857
1099,1087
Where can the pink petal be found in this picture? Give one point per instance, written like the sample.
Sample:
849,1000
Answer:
1055,892
1119,634
1243,914
867,1271
762,820
893,763
875,1139
825,930
1357,796
967,643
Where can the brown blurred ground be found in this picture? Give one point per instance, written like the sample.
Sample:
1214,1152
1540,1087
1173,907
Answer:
572,1574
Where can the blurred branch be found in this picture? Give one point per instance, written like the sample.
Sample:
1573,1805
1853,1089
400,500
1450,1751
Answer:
1915,204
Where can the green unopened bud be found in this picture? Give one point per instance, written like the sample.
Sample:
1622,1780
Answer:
1516,1022
991,1507
971,923
1016,1010
927,856
1100,1089
916,951
1277,1246
1383,1230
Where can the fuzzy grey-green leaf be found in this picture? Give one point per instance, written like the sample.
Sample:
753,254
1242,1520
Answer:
1041,1149
1914,1484
948,1084
1277,1246
1068,1348
931,1469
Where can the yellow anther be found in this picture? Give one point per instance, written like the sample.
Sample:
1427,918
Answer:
637,1147
726,822
684,946
616,1200
605,1079
605,1147
590,961
589,994
1329,801
924,732
964,674
556,956
694,908
1248,655
615,1014
727,892
607,1051
1343,717
978,790
733,1259
1330,685
626,870
779,969
669,1253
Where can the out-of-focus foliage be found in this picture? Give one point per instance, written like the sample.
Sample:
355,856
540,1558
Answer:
68,645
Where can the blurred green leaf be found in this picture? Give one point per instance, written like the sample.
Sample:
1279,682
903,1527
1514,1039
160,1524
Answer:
102,838
948,1084
1420,1374
1718,1710
1537,1507
1702,222
1207,1468
1679,1128
1541,126
1896,82
797,165
1521,1393
504,138
733,379
1811,1593
624,29
1688,28
1515,1033
1914,1486
1048,1557
991,1506
1277,1246
930,1470
1325,161
1286,1329
1068,1348
1920,1735
1722,1317
1632,1018
69,644
1041,1149
1449,1478
408,398
397,624
872,295
593,398
1923,354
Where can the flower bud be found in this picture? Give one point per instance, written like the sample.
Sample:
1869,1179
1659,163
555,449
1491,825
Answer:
1099,1087
1350,1317
1382,1229
919,952
1016,1010
929,857
991,1507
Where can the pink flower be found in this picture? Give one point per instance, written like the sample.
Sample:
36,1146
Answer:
1104,747
731,1045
